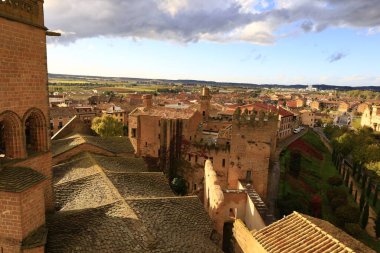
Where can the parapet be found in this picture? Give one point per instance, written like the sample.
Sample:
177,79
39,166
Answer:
214,192
29,12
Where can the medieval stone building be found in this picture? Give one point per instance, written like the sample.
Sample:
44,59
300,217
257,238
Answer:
371,118
240,149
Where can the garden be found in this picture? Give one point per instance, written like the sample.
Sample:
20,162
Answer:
311,184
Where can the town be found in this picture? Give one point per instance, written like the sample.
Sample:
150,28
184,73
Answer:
111,164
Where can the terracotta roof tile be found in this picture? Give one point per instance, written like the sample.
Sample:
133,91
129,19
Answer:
302,233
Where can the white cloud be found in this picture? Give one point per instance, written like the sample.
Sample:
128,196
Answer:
217,20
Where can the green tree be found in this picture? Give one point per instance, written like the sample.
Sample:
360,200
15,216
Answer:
375,196
368,190
178,185
363,221
351,187
237,114
107,126
377,225
346,178
362,200
295,164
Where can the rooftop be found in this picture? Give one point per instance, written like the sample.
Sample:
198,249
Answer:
18,179
112,144
165,112
106,204
302,233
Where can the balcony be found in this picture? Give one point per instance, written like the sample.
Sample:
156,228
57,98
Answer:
25,11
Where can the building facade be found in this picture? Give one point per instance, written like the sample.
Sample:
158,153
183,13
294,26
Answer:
371,118
25,158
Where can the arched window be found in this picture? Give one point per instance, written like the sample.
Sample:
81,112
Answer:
11,136
35,131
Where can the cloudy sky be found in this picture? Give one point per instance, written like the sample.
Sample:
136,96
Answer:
256,41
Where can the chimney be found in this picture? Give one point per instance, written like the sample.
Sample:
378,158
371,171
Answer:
147,101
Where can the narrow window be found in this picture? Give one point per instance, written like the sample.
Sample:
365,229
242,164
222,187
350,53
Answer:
133,133
223,163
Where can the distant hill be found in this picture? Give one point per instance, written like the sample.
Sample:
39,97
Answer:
213,83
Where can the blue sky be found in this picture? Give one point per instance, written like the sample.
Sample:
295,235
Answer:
254,41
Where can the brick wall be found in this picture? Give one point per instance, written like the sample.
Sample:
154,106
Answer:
35,250
21,213
10,216
23,69
42,163
32,209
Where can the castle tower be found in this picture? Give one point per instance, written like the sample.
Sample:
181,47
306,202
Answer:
25,158
147,101
205,103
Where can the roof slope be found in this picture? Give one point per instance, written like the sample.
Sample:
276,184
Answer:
18,179
122,209
112,144
301,233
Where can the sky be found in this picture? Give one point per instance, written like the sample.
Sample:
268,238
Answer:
333,42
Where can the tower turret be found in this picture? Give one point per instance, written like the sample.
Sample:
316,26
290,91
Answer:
205,103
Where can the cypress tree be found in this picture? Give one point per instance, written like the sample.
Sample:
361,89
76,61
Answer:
377,225
374,201
362,201
368,190
354,168
363,221
364,179
351,188
347,178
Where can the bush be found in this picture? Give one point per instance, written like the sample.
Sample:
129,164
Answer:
336,193
295,164
335,181
316,205
290,203
337,202
347,214
377,225
353,229
179,186
363,221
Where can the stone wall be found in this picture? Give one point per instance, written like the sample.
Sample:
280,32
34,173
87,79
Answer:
245,242
252,149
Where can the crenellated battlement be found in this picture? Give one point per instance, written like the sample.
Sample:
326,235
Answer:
255,119
25,11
